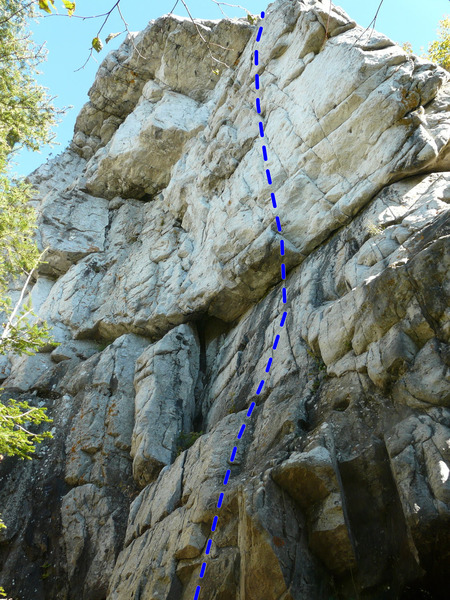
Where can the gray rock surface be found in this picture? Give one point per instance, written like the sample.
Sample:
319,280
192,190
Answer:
166,374
163,287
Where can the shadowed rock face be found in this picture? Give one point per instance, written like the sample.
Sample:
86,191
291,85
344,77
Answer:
162,285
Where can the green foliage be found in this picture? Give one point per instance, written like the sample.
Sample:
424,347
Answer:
439,50
70,7
26,112
373,229
15,437
103,345
26,118
186,440
19,253
320,370
407,47
97,44
19,256
47,5
15,419
46,570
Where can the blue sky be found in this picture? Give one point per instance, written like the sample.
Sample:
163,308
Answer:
68,42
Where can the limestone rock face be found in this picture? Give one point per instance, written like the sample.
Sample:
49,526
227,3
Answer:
71,224
159,127
166,374
163,286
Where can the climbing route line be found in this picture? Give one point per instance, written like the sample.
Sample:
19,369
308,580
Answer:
277,337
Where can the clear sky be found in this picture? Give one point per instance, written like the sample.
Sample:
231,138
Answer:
68,43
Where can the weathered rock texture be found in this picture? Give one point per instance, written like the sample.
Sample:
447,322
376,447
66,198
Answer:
162,284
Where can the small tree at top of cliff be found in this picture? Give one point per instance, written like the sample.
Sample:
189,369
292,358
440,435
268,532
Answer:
439,50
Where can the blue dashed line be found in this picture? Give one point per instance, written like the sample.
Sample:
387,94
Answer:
277,337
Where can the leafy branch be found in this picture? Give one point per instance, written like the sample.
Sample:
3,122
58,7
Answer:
47,6
15,437
97,43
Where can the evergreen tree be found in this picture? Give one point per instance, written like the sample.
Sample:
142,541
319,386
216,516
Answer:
26,118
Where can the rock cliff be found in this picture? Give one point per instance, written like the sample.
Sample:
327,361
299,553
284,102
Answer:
163,287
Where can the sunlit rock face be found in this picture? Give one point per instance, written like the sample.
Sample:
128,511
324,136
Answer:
162,284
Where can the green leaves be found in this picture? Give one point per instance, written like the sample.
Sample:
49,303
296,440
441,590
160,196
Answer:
15,419
70,7
44,5
439,50
407,47
47,5
97,44
186,440
26,118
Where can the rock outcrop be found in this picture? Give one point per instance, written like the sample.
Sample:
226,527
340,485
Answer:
162,284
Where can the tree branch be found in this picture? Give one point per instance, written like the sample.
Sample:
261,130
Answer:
213,58
17,12
10,325
372,23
